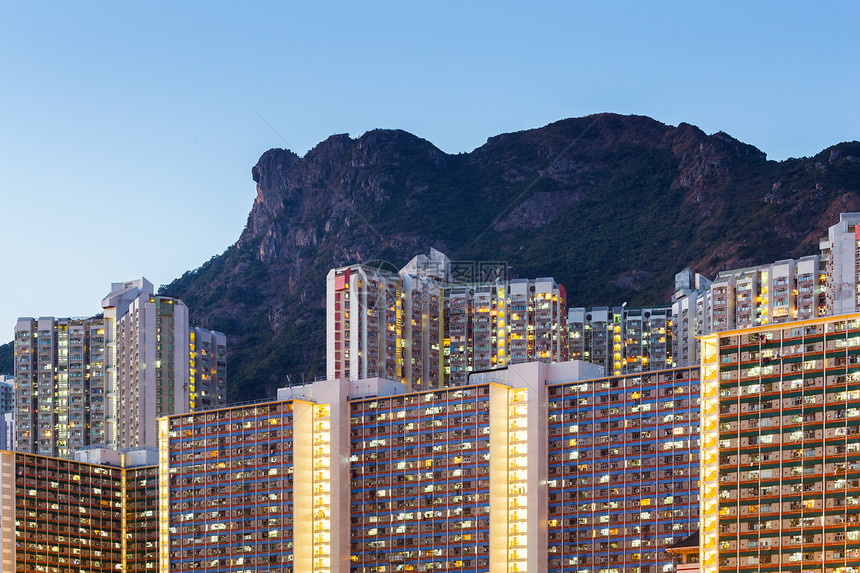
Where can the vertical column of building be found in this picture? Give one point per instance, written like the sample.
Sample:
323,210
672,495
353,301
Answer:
459,347
615,339
219,371
783,291
126,390
164,505
396,373
95,380
518,484
500,473
710,456
501,354
373,327
548,316
334,425
528,463
747,299
8,507
723,302
634,347
339,318
433,343
483,329
410,351
576,334
172,371
111,360
764,298
809,294
84,392
303,485
660,336
207,365
560,320
61,396
381,303
26,383
600,339
321,510
124,503
196,360
840,251
45,419
140,541
518,321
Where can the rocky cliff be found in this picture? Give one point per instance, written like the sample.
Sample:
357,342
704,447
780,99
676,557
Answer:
611,206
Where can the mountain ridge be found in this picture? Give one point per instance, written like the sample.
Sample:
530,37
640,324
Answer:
612,206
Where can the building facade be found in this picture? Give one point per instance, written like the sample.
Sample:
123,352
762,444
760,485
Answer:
533,467
208,360
83,382
60,391
361,476
416,327
691,316
622,340
623,470
488,326
827,284
65,515
780,468
7,393
776,293
840,252
152,367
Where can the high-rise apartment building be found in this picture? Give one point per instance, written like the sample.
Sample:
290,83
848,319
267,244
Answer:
208,359
767,294
691,316
840,251
416,327
780,467
490,326
532,467
364,323
153,367
359,476
623,470
105,380
65,515
622,340
7,393
775,293
60,396
785,291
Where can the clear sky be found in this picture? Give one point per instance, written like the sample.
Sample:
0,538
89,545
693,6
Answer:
128,130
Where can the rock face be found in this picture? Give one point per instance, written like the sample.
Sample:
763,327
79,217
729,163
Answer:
611,206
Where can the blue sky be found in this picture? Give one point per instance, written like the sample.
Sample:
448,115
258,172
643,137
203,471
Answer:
128,130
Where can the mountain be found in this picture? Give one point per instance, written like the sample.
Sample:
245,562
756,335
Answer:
611,206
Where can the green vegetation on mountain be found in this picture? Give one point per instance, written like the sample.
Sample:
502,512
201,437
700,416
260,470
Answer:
7,358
